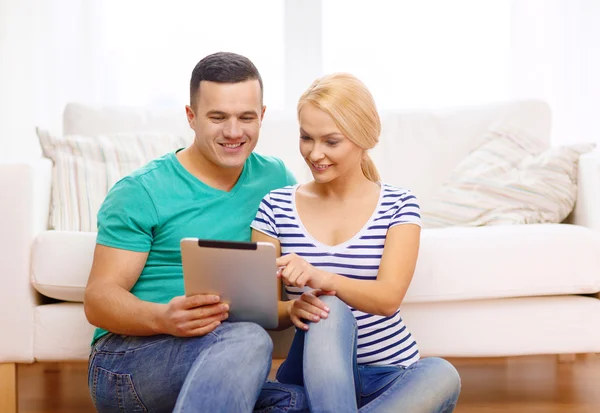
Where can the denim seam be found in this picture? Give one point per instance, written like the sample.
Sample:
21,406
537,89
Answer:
119,380
122,380
109,352
94,386
134,393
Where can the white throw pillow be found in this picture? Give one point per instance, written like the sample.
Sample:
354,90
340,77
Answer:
509,179
86,167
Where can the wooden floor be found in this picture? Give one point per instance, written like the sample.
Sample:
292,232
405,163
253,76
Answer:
521,384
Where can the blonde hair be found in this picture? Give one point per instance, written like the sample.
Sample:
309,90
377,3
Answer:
352,107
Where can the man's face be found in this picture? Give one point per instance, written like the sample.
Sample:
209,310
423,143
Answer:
226,120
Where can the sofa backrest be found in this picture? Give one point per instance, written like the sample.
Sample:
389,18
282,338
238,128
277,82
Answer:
417,149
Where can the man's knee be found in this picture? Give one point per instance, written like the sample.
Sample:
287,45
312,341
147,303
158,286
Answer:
255,337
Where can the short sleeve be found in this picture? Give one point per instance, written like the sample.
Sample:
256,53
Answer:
407,211
265,218
289,176
127,217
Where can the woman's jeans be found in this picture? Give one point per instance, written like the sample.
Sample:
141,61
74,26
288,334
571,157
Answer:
223,371
323,360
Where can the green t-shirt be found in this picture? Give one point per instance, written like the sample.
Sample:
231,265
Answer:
152,209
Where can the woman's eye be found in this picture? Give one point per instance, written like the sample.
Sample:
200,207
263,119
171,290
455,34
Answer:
304,137
332,143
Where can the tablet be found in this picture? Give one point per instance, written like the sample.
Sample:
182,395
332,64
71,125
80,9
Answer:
243,274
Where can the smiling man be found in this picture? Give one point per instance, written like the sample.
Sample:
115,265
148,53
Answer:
156,350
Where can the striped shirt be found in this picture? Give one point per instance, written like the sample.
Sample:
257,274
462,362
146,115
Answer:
381,340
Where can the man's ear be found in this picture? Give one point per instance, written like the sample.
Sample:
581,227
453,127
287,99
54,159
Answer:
191,116
262,113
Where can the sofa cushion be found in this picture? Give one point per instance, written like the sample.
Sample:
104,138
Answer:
511,178
505,327
431,141
454,263
61,333
61,262
93,120
505,261
86,167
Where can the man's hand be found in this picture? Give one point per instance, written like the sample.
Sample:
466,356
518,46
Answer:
192,316
309,307
297,272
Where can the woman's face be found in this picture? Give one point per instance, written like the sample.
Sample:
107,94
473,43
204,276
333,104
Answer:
327,152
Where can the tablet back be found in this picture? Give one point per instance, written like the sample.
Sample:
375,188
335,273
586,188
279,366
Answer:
243,274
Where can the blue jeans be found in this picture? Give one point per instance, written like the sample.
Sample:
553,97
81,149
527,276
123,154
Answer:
224,371
323,360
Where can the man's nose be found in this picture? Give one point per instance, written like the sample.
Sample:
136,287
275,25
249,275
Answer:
233,129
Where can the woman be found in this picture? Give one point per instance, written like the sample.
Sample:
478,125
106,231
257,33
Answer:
349,247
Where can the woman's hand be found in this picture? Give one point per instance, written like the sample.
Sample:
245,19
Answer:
308,307
296,271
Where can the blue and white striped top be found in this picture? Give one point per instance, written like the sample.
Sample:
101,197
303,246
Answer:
381,340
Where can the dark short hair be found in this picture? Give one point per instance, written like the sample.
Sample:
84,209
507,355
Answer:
223,67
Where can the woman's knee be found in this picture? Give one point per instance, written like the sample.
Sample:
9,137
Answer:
447,378
339,312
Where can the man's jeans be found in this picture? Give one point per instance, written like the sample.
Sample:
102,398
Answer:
323,359
224,371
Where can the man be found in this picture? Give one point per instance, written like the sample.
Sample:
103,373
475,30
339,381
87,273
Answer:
155,349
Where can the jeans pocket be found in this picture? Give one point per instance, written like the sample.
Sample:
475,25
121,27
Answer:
113,392
277,397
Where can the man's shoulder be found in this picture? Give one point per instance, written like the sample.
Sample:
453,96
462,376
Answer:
154,171
261,162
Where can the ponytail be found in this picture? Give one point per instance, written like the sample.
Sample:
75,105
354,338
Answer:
369,169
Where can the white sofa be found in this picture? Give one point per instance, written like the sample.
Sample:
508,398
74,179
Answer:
487,291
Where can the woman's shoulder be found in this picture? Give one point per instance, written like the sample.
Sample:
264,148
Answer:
284,193
392,191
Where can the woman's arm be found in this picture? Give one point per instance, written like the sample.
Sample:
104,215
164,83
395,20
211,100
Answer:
382,296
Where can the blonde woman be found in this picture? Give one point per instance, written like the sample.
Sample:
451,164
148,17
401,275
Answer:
348,247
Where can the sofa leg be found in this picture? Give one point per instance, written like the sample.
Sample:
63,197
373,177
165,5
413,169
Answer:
567,358
8,387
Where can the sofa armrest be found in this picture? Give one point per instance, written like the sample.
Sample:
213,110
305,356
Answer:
587,207
24,206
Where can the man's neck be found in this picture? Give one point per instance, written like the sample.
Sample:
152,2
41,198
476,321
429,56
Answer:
212,175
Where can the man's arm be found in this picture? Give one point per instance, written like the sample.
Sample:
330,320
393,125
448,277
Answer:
109,304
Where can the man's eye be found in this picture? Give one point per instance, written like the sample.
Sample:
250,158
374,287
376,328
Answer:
247,118
217,118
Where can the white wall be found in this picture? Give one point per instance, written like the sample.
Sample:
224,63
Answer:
556,57
50,54
17,74
47,59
